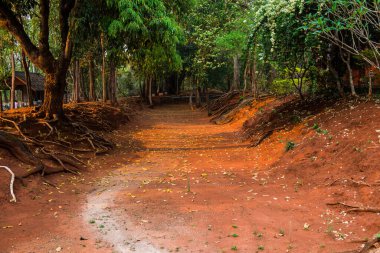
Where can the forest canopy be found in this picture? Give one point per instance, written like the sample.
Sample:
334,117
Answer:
102,50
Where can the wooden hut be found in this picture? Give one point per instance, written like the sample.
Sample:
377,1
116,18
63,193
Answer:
37,83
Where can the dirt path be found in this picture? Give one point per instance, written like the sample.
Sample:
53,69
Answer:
193,187
186,186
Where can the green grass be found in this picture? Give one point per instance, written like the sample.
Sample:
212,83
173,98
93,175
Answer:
289,146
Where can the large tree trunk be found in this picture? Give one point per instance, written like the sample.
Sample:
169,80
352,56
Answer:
104,84
13,79
55,69
236,82
55,84
27,79
91,77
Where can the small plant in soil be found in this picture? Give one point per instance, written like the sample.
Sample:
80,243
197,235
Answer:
92,222
234,248
257,234
319,130
261,247
330,230
289,146
298,184
296,119
234,226
235,235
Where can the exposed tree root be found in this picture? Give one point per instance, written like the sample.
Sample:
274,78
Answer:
19,149
228,116
11,183
354,182
220,104
368,246
51,146
356,208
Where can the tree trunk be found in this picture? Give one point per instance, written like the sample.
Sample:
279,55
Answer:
91,77
1,101
6,100
150,91
13,84
55,84
115,86
299,88
104,84
197,98
82,85
246,72
55,69
191,99
253,75
370,85
27,79
112,82
146,81
338,82
236,82
208,101
177,84
347,61
158,87
76,91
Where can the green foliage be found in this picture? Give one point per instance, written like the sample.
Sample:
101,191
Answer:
290,146
283,86
351,25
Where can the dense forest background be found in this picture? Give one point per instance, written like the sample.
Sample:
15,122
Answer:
104,50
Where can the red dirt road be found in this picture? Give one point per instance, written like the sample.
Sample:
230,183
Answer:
186,186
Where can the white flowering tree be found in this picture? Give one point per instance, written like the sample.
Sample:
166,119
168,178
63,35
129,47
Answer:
280,41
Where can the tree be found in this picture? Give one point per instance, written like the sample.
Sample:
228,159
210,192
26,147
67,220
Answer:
151,33
351,25
54,67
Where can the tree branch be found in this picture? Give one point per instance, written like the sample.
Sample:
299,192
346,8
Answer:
44,25
9,21
66,7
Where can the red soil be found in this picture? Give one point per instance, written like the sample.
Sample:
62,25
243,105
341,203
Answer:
178,183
